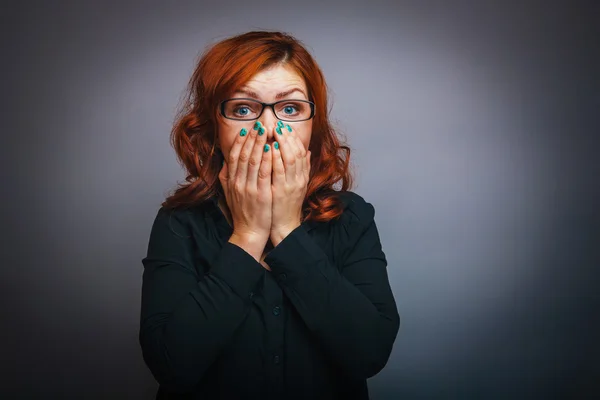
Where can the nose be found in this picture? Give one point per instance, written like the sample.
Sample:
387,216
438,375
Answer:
269,121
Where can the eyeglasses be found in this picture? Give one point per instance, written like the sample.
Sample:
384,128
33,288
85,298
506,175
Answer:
244,109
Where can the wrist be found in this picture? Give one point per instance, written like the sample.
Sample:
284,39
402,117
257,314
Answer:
252,243
280,233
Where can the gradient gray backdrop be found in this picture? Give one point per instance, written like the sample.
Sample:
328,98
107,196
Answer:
474,128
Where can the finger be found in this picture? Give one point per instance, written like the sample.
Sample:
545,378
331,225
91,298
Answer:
245,153
300,157
299,152
307,176
234,153
264,173
288,152
256,156
278,167
224,176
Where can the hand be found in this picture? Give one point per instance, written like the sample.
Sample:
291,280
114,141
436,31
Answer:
291,171
246,181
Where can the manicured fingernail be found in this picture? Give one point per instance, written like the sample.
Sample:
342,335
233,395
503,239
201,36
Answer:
289,128
278,130
257,125
266,148
276,145
261,130
243,132
280,124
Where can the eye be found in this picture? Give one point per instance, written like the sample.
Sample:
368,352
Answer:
243,110
293,110
289,109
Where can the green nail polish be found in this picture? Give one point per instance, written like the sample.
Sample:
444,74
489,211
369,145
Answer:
280,124
289,128
243,132
276,145
278,130
266,148
261,130
256,125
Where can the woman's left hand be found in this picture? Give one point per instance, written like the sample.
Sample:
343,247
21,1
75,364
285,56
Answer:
291,171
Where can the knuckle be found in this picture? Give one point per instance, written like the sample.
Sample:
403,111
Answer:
251,191
243,156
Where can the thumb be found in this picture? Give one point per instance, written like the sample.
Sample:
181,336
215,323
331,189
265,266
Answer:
223,173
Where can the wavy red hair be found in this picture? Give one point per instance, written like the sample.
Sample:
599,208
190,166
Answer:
224,67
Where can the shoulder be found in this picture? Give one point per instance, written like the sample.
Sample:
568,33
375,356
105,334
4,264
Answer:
357,216
170,221
356,228
179,221
356,208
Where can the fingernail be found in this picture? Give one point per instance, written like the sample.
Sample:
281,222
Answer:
266,148
243,132
278,130
276,145
280,124
257,125
289,128
261,130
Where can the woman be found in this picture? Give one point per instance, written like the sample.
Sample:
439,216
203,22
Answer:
261,281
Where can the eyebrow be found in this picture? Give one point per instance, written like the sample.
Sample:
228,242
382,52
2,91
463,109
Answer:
279,96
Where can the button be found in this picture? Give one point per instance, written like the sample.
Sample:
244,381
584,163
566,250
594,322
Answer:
276,359
282,277
276,310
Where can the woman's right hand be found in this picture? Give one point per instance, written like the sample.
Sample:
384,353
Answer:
246,181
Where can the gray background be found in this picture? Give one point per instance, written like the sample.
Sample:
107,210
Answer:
474,133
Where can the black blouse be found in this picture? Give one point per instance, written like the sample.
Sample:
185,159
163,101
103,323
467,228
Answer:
215,324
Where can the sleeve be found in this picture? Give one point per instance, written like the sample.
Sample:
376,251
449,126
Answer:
352,313
187,319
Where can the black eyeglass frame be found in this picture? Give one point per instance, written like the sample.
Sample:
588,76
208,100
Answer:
272,105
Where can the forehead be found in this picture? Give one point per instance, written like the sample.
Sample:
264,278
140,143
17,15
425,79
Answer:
274,79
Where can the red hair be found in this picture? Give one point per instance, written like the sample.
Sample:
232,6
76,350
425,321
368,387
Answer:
222,69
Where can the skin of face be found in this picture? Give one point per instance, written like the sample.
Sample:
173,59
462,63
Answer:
267,84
